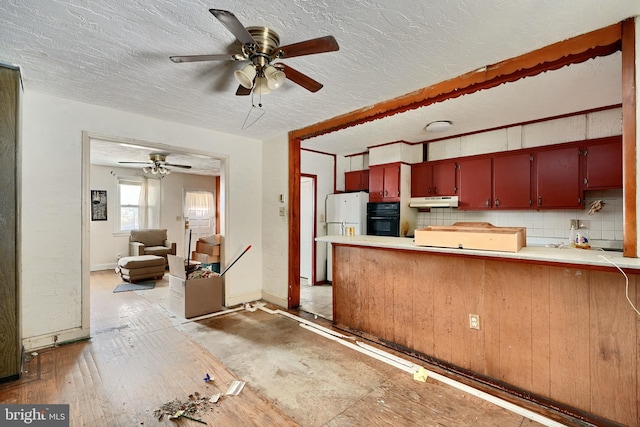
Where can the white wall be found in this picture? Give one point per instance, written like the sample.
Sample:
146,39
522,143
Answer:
105,245
52,292
275,228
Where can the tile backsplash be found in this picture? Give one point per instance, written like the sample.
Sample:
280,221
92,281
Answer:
607,224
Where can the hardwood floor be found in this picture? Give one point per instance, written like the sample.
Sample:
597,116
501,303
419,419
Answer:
141,357
135,362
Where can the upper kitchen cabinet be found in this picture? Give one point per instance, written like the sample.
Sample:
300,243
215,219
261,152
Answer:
557,174
384,183
474,182
512,181
421,179
495,182
603,163
356,180
436,178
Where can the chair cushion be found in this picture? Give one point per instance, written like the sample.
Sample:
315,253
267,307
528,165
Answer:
143,261
149,237
157,250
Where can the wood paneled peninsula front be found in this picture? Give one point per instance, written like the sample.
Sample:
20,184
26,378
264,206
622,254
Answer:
555,323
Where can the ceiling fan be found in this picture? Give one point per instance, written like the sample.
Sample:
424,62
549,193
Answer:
261,46
157,164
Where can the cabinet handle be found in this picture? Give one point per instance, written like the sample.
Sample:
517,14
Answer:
497,203
539,200
435,190
487,203
386,193
429,192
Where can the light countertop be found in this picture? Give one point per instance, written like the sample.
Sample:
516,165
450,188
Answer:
565,255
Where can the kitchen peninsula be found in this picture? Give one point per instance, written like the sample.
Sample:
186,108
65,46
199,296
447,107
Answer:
554,323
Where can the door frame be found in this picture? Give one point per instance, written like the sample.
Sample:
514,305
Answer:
314,222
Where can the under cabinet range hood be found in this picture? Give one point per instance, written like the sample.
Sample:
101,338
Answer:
434,202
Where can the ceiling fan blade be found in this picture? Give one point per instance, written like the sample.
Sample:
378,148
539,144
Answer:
232,23
136,163
197,58
243,91
299,78
308,47
177,166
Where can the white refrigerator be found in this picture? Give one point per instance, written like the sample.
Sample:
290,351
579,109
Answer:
343,211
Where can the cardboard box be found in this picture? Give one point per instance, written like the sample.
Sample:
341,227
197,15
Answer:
473,235
204,258
207,248
192,297
214,239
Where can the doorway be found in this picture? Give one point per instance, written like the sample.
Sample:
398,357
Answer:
315,298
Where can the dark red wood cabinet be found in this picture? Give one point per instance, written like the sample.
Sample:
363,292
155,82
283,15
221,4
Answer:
474,182
436,178
444,179
512,181
602,164
384,183
557,172
356,180
421,180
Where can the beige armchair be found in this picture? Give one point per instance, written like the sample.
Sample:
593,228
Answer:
151,242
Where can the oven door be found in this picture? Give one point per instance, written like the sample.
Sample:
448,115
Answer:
383,226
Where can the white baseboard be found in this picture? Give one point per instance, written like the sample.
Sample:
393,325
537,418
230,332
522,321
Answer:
55,338
233,300
273,299
98,267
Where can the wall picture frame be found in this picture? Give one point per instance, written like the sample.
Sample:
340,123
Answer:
98,205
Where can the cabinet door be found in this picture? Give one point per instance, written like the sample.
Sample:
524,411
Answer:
603,165
558,178
512,181
356,180
474,183
391,183
421,182
444,179
376,183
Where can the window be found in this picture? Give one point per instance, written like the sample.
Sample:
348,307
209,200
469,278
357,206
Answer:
129,196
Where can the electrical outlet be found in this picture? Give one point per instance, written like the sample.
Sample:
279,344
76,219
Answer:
282,211
474,321
573,223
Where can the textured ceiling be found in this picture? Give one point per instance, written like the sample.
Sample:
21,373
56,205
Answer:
115,54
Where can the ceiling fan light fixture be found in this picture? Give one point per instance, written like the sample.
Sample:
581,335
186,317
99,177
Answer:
438,126
245,75
262,87
275,78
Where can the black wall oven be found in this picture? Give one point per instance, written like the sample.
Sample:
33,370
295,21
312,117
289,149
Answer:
383,219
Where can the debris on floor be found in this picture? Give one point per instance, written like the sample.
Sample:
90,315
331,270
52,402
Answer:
421,375
192,408
207,378
235,388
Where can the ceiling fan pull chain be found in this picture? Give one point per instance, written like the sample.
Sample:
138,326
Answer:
256,110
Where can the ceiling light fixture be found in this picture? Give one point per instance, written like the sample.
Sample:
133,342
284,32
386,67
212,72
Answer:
438,126
156,169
